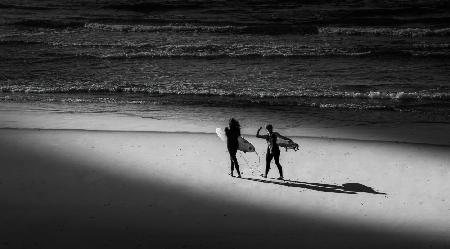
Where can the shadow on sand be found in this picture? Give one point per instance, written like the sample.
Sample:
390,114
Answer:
346,188
53,199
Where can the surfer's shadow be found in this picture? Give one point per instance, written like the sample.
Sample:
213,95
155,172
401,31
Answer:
347,188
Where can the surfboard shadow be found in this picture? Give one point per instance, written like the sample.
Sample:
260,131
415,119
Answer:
347,188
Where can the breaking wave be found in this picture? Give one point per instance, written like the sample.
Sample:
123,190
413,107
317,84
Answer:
267,29
160,28
188,51
142,50
263,29
420,95
239,51
385,31
392,102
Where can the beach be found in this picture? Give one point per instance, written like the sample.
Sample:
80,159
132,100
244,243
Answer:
108,113
72,188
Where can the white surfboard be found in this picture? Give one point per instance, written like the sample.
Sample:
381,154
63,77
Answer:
221,134
244,145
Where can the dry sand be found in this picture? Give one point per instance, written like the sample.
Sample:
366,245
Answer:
94,189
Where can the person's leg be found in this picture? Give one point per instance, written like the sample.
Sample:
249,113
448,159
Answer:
268,159
277,162
235,162
232,165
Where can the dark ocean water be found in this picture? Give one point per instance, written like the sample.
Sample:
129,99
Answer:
364,61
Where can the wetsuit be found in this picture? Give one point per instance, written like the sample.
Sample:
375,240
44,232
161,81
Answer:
273,151
233,145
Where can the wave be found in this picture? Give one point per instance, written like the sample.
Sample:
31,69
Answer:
160,28
51,24
412,102
260,29
208,55
431,45
210,51
144,50
233,51
251,51
384,31
380,95
87,44
210,100
274,29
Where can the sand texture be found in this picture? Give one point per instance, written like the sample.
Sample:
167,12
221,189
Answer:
93,189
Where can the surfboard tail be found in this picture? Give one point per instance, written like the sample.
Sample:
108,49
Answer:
221,134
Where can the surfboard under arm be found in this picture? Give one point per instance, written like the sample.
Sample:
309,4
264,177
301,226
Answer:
287,144
244,145
221,134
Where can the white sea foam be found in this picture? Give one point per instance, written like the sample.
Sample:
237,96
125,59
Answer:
385,31
257,94
158,28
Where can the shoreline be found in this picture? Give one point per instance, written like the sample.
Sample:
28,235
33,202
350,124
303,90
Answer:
213,133
20,115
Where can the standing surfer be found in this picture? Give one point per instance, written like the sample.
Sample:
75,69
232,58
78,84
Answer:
233,132
273,150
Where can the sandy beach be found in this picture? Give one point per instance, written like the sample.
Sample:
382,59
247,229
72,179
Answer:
108,114
106,189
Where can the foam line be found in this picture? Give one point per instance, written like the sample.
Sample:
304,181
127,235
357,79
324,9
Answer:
214,134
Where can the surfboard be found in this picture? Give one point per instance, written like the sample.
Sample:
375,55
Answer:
244,145
221,134
287,144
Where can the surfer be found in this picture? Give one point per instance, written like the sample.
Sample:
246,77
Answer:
233,131
273,150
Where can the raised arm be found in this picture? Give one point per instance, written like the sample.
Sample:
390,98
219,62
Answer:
260,136
281,136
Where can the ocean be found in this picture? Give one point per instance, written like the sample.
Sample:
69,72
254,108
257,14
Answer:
291,63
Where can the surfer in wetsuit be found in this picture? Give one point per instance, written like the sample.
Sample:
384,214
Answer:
233,131
273,150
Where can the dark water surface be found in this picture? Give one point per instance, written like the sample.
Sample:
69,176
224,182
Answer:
362,62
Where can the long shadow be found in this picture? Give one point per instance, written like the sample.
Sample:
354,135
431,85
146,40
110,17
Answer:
346,188
52,199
